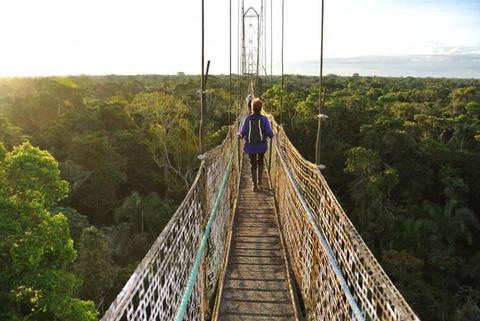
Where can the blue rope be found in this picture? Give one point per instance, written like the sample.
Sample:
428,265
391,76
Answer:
198,259
324,242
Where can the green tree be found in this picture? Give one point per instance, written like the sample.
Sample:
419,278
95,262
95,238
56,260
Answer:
76,221
469,311
145,213
35,246
170,137
102,175
3,152
371,192
33,175
407,272
94,266
10,134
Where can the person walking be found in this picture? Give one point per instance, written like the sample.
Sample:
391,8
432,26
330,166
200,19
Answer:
249,102
255,130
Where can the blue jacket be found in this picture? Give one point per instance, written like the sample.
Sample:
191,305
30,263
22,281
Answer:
257,148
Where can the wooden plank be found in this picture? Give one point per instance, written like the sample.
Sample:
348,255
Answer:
257,252
258,211
247,200
255,197
260,285
257,260
254,216
253,295
250,267
257,308
237,317
249,205
257,218
255,285
257,239
250,224
256,246
257,275
256,231
254,213
256,225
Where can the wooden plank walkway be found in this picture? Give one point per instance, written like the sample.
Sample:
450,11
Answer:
256,285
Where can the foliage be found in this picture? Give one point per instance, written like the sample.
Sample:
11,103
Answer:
403,155
35,246
76,221
94,259
3,152
127,147
145,214
33,175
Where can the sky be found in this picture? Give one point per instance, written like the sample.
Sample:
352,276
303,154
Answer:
60,37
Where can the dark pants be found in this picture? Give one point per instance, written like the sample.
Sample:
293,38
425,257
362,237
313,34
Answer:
256,160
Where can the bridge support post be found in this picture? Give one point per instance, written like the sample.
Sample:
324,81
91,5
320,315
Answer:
204,304
270,149
239,157
202,275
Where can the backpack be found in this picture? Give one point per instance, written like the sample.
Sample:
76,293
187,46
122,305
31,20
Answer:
256,132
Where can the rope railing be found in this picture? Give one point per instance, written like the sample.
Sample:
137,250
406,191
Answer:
155,289
203,244
329,276
332,262
337,275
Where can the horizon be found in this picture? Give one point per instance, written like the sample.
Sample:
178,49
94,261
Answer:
119,37
342,67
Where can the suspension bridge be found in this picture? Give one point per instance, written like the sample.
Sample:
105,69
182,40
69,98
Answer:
288,252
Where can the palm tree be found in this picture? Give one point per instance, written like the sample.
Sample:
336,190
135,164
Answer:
149,211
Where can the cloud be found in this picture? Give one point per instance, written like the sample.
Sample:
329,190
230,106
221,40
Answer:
442,49
465,65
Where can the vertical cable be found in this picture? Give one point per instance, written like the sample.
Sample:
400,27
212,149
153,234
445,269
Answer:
320,92
239,82
202,107
230,75
265,40
281,92
242,57
259,36
271,39
238,37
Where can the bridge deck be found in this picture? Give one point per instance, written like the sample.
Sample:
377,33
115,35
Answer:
256,284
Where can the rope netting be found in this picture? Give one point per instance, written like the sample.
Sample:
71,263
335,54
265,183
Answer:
155,289
337,275
339,279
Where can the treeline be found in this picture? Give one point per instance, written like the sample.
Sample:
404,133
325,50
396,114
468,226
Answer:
403,157
92,169
126,149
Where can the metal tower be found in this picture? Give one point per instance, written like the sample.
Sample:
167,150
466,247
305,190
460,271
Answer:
252,37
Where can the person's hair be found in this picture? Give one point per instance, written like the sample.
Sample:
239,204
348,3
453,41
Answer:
257,106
